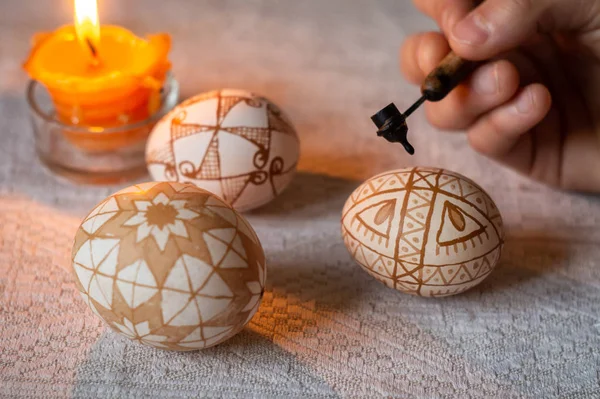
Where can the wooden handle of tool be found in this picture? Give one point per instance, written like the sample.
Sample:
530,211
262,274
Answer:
446,76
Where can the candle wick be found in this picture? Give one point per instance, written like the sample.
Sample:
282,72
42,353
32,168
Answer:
92,48
93,51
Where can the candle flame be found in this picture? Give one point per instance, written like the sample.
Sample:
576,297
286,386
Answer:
87,26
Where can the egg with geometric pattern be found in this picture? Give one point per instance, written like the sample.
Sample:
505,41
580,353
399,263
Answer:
233,143
423,231
169,265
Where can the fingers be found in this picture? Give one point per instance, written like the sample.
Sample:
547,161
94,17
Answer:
490,86
421,53
445,12
497,26
497,132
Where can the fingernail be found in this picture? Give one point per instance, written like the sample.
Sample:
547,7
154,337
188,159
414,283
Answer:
485,81
473,30
525,102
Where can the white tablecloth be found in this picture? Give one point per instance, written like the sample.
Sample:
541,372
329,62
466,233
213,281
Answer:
325,328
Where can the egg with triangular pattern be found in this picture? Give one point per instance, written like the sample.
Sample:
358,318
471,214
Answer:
431,233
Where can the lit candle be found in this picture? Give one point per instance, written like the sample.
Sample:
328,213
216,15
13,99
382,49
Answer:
99,76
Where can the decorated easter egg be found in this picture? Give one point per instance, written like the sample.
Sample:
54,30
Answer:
232,143
423,231
169,265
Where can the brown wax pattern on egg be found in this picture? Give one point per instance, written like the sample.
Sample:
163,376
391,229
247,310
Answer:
424,231
169,265
235,144
456,217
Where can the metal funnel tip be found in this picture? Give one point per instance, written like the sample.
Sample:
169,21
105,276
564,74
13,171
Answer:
392,126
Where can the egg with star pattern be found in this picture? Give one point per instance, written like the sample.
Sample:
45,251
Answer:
424,231
169,265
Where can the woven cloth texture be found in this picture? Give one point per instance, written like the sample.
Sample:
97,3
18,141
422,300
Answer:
324,328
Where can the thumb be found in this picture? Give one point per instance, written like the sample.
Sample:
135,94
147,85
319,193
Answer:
496,26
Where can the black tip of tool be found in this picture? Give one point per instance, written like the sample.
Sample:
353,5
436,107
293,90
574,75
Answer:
392,126
409,148
380,118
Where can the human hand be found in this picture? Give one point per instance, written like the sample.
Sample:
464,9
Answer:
535,105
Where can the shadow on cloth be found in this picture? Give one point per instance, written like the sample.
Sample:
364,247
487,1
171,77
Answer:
308,264
525,256
309,195
246,365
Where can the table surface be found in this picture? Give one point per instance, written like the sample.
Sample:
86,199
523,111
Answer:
324,328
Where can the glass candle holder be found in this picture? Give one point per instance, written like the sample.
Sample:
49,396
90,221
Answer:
93,154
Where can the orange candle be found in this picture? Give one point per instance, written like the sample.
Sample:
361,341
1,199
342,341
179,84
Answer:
100,76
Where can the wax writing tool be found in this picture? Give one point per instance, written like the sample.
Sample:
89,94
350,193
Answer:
446,76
